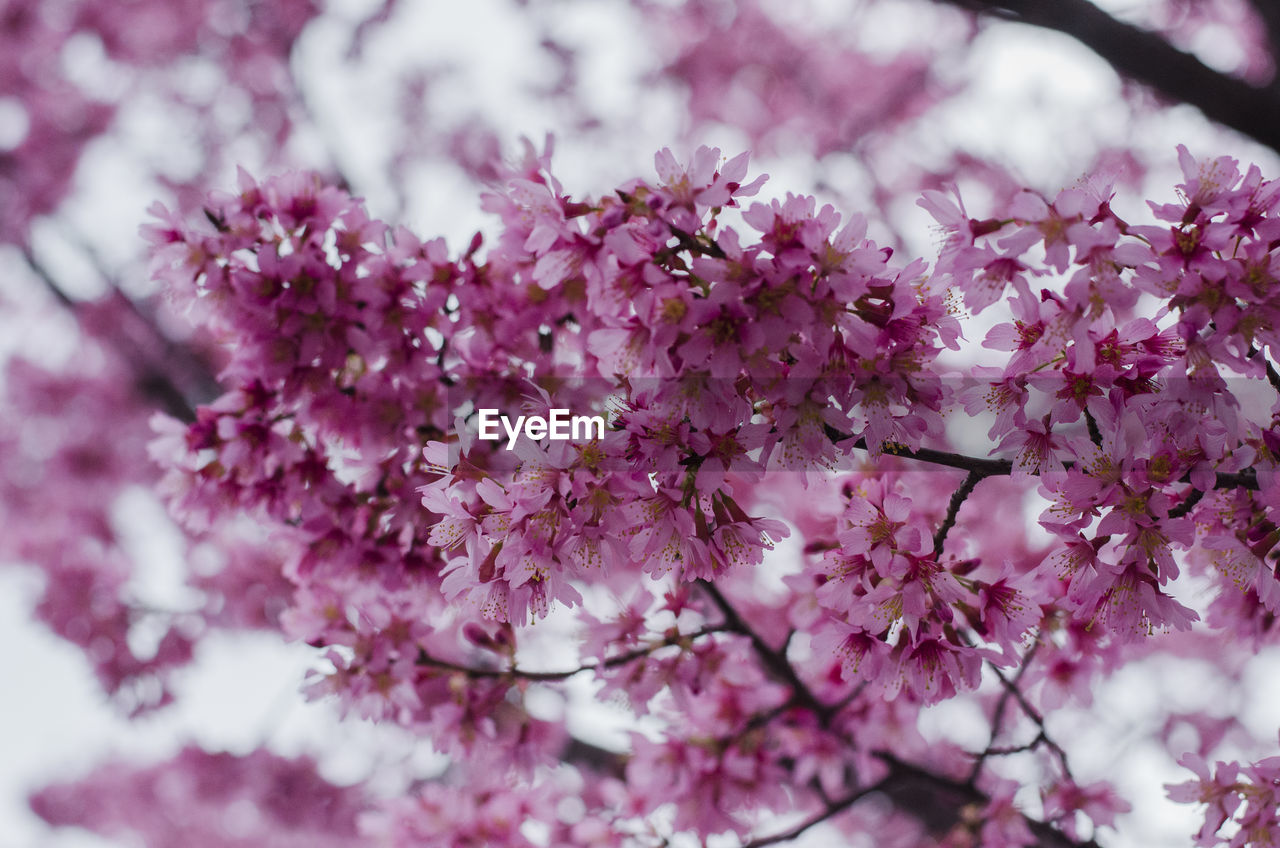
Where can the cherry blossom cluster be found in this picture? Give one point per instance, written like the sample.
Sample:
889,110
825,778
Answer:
210,800
782,85
1247,797
1171,413
769,373
60,509
74,466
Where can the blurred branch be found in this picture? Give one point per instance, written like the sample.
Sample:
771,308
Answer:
938,802
46,279
153,378
775,662
1146,57
594,758
1011,686
997,718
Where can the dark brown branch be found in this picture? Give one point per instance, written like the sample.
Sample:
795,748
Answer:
46,279
163,359
1095,435
1006,750
1146,57
1011,686
953,508
937,802
976,465
691,243
1187,505
594,758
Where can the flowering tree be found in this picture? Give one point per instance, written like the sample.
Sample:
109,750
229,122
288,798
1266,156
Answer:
840,488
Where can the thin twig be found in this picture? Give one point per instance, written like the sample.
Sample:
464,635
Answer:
830,810
774,661
1246,479
997,718
933,799
46,279
1015,749
1034,714
547,676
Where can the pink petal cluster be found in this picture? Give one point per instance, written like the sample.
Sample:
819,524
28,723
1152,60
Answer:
769,375
210,800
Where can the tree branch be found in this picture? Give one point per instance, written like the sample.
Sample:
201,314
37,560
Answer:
953,508
937,802
1011,686
1273,376
1187,505
593,757
1146,57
